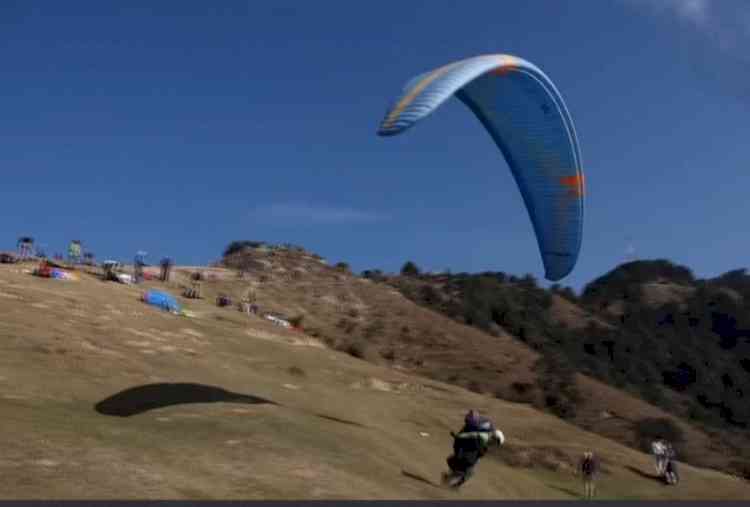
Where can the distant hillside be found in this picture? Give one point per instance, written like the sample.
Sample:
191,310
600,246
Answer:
504,336
647,328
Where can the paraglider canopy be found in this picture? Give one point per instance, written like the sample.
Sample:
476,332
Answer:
525,115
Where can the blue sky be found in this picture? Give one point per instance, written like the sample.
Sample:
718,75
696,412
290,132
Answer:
176,127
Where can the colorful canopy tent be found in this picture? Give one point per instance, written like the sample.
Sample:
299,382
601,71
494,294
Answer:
45,270
74,251
25,247
525,115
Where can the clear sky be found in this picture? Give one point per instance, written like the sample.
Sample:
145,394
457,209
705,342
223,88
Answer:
176,127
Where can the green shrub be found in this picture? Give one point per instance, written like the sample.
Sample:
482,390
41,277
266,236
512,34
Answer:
410,269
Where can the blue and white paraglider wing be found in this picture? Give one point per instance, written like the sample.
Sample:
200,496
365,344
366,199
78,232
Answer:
525,115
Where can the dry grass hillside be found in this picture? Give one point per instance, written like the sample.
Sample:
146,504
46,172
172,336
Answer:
571,315
106,397
376,322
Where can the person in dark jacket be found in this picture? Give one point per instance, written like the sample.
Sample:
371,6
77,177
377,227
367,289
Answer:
671,475
166,268
469,445
589,469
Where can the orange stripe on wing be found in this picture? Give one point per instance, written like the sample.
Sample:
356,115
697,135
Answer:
508,64
503,71
404,102
574,183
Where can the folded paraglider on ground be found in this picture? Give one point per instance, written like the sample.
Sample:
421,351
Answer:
161,300
45,270
60,274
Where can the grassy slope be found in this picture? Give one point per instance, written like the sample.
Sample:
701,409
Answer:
68,345
597,398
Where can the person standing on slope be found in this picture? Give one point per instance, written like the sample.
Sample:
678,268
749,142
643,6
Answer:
589,469
670,466
659,449
671,476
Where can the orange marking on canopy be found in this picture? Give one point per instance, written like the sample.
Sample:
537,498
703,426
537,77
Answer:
575,183
508,64
504,70
409,98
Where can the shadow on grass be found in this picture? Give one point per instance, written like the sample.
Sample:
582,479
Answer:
140,399
645,475
567,491
342,421
419,478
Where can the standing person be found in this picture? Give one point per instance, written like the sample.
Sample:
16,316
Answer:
166,268
659,449
246,302
670,464
198,278
671,476
589,468
670,452
138,264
